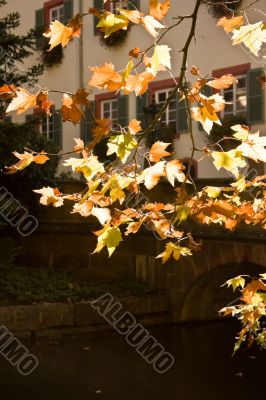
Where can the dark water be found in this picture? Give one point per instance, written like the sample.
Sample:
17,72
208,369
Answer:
104,366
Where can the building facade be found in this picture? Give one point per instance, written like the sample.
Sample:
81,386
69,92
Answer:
212,52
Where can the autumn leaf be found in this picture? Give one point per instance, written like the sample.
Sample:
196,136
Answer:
22,102
236,282
174,170
50,196
110,23
157,151
161,57
253,145
138,83
159,9
230,160
101,130
134,126
79,146
75,24
109,237
151,176
7,91
42,102
224,82
175,251
25,160
58,34
182,212
252,36
230,23
132,15
122,145
89,167
151,25
70,110
105,77
134,52
206,118
212,191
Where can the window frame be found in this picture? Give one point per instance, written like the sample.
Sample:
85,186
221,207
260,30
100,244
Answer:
104,97
238,71
48,6
160,86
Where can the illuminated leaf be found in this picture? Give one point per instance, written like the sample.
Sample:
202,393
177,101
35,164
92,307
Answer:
22,102
175,251
151,25
122,145
230,160
58,34
224,82
174,170
157,151
105,77
109,237
230,23
110,23
252,36
236,282
50,196
159,9
161,57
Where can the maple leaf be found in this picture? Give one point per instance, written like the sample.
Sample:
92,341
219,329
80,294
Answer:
151,176
252,36
134,126
132,15
102,214
212,191
88,166
230,160
230,23
157,151
138,83
161,57
206,118
224,82
182,212
75,24
159,10
105,76
79,147
25,160
109,237
110,23
7,91
253,145
50,196
174,170
70,110
58,34
151,24
42,101
122,145
175,251
22,102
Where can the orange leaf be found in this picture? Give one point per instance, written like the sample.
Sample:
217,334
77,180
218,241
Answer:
159,10
7,91
105,77
43,102
58,34
41,158
22,102
224,82
138,83
134,126
230,23
157,151
134,52
70,110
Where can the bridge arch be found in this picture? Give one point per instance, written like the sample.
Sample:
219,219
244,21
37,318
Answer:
206,297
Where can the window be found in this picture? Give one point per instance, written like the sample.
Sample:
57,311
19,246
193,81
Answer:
169,117
236,95
109,109
57,13
47,126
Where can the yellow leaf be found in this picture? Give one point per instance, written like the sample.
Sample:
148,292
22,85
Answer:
252,36
175,251
151,176
122,145
212,191
109,237
236,282
161,57
230,160
50,196
132,15
111,23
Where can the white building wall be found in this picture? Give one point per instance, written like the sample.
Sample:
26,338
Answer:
212,50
